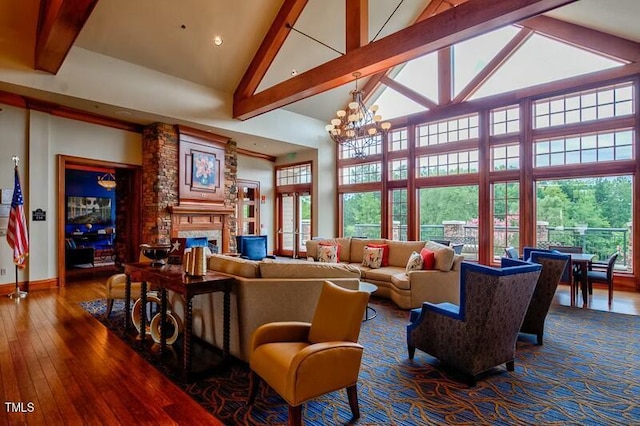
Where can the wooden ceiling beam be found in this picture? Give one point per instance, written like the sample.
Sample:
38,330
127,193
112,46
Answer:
59,24
409,93
586,38
437,6
449,27
357,24
269,48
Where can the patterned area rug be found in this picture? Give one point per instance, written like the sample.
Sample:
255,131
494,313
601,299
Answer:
585,373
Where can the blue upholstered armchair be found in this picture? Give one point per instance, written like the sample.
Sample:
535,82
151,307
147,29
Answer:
252,247
566,274
481,332
553,267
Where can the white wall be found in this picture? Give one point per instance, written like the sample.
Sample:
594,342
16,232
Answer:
38,138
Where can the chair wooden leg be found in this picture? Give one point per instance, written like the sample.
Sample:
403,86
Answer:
254,381
610,294
109,307
412,351
295,415
352,393
511,365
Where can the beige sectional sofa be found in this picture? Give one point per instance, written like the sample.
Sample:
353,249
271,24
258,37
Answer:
264,291
407,290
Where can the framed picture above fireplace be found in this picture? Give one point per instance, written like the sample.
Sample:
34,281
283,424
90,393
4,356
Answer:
201,167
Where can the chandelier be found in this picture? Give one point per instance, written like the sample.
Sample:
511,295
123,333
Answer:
358,128
107,181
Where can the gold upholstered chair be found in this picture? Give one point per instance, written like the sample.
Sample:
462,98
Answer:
301,361
115,286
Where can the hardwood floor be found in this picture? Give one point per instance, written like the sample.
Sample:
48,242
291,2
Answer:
64,362
64,367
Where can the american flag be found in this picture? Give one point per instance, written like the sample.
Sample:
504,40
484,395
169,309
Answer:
17,235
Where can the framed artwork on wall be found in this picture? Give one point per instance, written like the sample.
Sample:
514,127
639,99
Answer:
201,167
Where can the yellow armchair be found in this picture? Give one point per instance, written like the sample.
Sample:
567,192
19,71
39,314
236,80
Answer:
301,361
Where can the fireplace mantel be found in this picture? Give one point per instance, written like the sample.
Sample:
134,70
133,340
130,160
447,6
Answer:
202,217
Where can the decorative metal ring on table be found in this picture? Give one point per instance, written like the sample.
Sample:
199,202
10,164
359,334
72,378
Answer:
136,312
174,326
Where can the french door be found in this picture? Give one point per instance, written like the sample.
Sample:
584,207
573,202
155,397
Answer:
294,223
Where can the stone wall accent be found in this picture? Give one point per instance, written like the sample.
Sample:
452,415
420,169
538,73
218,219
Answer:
159,181
230,188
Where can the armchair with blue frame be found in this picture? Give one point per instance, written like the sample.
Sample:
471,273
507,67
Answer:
482,331
554,266
252,247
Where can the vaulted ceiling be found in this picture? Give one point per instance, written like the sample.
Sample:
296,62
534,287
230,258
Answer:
297,55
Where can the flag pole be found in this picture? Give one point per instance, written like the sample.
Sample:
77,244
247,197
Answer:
17,294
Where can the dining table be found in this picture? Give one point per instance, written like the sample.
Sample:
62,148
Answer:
580,262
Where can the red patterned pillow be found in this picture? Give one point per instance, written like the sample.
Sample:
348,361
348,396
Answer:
385,252
428,259
337,246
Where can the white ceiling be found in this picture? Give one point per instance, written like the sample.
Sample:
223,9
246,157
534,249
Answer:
175,38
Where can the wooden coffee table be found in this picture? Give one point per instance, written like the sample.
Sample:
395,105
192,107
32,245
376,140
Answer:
369,288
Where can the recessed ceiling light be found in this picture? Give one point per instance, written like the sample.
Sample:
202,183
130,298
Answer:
217,40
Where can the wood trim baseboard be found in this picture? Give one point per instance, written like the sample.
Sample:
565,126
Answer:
48,283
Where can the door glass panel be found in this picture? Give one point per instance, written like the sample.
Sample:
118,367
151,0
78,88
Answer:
288,223
304,224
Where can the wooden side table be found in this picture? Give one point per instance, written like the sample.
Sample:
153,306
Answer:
172,277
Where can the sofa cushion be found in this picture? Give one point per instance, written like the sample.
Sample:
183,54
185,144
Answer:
385,252
399,251
444,255
414,263
401,281
372,257
383,274
307,270
234,266
357,248
328,253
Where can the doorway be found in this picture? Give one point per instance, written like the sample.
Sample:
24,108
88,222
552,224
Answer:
96,224
294,223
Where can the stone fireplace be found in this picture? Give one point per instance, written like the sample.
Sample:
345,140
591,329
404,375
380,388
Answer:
173,205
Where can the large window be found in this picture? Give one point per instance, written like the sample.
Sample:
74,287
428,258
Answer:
451,214
361,215
592,213
555,162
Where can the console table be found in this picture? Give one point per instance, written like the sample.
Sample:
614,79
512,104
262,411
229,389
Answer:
172,277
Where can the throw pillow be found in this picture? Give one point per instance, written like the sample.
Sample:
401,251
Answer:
414,263
328,254
428,258
444,255
372,257
332,244
385,252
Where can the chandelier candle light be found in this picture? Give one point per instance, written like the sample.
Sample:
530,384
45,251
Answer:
358,128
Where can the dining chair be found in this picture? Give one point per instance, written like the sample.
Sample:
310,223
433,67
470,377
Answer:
602,273
511,252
